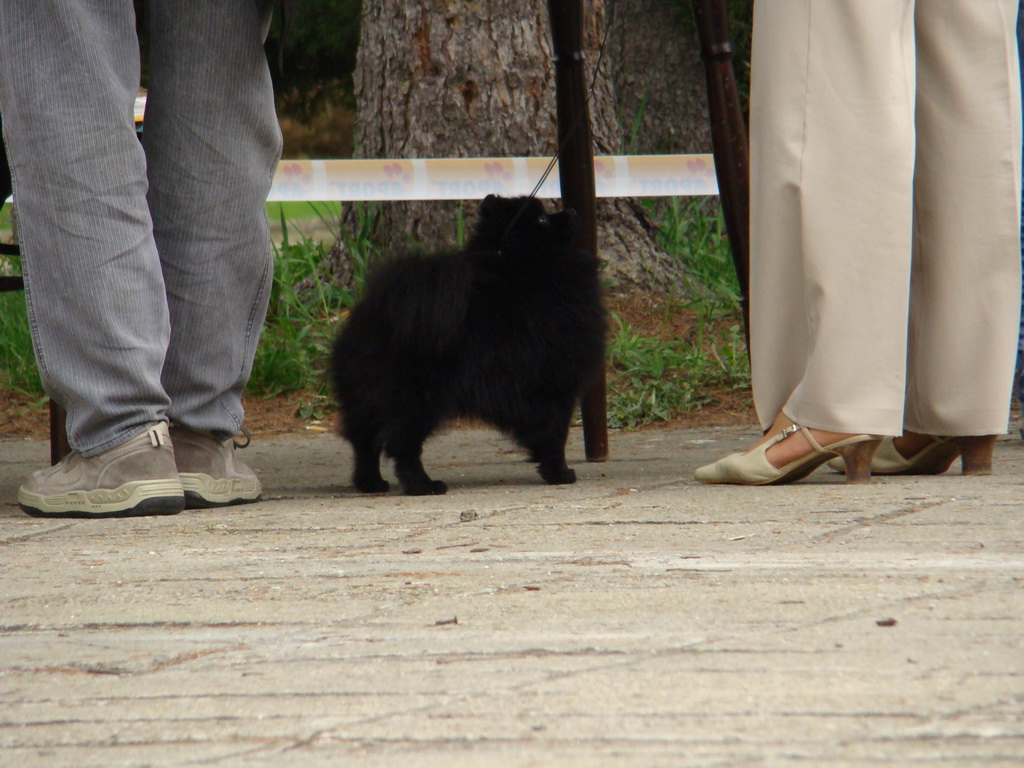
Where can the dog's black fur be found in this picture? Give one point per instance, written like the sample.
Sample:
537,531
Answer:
510,330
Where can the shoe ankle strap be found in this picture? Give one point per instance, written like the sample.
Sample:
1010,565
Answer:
792,429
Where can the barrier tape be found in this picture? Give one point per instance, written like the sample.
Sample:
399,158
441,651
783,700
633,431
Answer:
475,178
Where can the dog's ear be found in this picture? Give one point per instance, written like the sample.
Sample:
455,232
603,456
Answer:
489,205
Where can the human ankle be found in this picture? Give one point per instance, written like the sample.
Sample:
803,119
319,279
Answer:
796,445
909,444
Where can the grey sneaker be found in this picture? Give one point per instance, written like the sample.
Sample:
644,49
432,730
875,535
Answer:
134,479
211,474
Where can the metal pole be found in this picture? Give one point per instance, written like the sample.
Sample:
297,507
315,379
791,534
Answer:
576,175
728,138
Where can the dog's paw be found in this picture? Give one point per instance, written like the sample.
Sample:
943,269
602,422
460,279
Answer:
557,475
430,488
372,485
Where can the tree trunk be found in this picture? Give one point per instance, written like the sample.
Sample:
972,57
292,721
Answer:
457,78
659,78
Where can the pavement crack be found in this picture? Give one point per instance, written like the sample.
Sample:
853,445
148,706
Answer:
1010,704
37,534
638,522
122,670
866,521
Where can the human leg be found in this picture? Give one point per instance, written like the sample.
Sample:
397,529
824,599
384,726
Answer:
212,141
831,179
69,74
965,302
832,167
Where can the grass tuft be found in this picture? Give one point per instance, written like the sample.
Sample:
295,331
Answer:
303,316
18,372
662,377
652,378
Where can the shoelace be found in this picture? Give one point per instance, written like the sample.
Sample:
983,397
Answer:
248,439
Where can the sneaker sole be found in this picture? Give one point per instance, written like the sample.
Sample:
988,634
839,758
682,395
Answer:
136,499
205,492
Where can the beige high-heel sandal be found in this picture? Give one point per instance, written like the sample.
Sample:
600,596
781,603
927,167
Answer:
975,452
753,467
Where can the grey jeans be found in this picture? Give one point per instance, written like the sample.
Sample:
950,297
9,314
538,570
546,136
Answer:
147,266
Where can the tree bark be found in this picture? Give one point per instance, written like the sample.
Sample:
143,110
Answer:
459,78
659,78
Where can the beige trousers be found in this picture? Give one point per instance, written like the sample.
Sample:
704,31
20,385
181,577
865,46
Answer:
885,214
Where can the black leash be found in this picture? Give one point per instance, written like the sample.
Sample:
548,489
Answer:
578,56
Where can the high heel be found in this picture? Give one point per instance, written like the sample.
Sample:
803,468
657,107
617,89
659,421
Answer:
975,452
753,467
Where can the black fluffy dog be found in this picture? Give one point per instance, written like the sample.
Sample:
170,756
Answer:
509,330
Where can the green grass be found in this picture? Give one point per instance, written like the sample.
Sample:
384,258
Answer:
651,376
296,210
698,241
304,315
18,372
653,379
307,218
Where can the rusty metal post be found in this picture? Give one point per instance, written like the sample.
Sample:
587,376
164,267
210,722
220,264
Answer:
576,176
728,138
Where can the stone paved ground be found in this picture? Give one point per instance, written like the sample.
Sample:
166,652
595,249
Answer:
633,619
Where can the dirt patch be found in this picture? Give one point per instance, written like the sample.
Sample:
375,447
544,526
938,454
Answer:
21,417
652,315
660,317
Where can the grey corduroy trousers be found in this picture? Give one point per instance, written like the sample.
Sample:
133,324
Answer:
147,265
